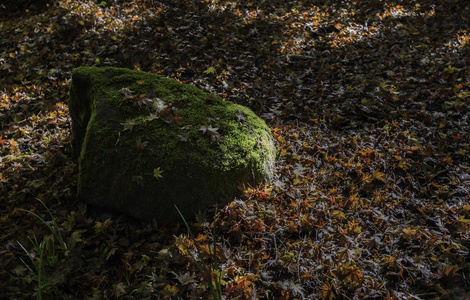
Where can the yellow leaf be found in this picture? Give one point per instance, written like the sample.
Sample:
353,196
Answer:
169,290
402,164
450,271
463,220
326,291
338,214
379,175
449,69
211,70
157,173
409,233
183,244
281,139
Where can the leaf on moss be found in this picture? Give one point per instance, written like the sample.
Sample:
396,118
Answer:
159,104
209,130
141,145
157,173
127,93
152,117
175,119
142,101
212,132
183,137
138,179
241,115
172,120
128,125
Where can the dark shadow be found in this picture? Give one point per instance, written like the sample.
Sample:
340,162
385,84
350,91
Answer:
18,8
223,38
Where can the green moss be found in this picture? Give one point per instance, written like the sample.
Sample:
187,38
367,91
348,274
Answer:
197,171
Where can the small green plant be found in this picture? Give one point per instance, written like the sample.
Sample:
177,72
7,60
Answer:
101,3
46,254
54,228
41,263
215,281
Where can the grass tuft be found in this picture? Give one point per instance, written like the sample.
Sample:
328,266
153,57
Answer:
215,280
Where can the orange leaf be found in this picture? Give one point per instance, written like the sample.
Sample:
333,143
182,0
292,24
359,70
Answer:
456,137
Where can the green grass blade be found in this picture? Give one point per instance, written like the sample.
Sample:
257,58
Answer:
215,291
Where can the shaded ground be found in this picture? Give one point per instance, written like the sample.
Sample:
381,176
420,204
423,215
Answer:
368,101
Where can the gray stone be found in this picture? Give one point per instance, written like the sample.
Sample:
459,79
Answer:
145,143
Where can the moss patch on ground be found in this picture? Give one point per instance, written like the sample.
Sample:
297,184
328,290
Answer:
145,143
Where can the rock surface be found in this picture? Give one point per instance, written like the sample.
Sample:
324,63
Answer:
145,143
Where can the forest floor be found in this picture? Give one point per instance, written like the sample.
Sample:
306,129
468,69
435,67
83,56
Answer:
368,101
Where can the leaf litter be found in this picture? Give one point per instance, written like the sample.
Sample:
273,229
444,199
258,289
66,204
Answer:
368,102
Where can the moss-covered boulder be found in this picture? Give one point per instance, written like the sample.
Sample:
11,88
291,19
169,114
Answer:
145,143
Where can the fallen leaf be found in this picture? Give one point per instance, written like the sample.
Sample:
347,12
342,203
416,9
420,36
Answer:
128,125
157,173
211,70
141,145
